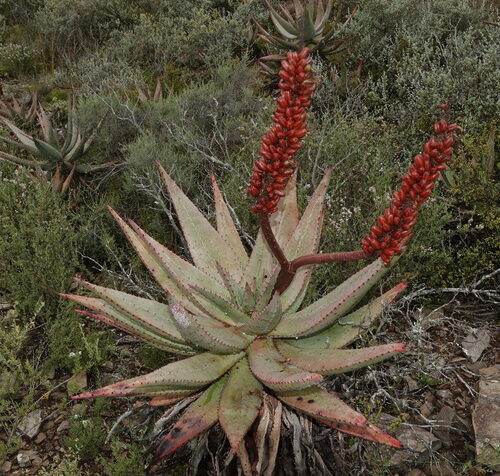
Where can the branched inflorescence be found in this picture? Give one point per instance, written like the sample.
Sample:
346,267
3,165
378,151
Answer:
279,146
394,226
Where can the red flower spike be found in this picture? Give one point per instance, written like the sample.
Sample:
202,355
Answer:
394,226
273,170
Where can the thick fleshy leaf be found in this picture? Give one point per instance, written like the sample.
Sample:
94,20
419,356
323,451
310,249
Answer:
228,309
165,277
104,312
25,139
324,312
206,245
350,327
185,375
209,333
337,361
144,312
199,417
183,270
305,241
225,225
269,366
368,432
162,401
318,403
266,320
240,403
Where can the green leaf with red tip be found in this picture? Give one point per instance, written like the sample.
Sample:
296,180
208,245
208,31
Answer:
210,334
349,328
269,366
183,270
304,241
206,245
198,418
110,316
140,311
175,379
165,276
318,403
337,361
324,312
240,403
225,225
368,432
265,320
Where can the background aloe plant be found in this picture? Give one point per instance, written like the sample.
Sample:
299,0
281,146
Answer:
60,159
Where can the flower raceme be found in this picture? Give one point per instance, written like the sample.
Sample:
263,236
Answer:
279,146
393,227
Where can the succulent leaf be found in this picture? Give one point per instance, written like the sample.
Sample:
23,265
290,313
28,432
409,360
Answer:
209,333
265,320
337,361
228,309
225,225
160,270
206,245
318,403
330,307
175,379
269,366
199,417
240,403
349,327
368,432
141,311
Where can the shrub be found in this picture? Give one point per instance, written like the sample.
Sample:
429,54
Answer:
38,245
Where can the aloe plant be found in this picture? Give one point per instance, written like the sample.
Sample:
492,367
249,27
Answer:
307,24
18,111
57,159
237,317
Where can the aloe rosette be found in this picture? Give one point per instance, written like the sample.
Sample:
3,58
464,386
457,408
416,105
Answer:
239,318
60,159
240,338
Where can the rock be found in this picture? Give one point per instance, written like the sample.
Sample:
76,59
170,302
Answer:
4,305
475,343
30,424
486,418
41,437
417,442
416,472
23,460
444,420
63,426
6,467
49,425
426,409
412,384
440,468
444,394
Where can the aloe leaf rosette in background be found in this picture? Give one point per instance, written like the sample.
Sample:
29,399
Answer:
237,317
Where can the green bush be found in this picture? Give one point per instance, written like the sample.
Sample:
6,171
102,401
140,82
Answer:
38,245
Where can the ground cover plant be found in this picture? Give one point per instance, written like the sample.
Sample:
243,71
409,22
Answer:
193,86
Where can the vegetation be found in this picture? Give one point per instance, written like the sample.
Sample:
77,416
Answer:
381,71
